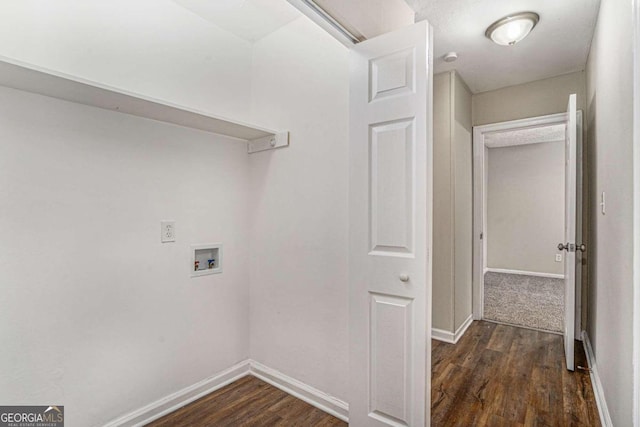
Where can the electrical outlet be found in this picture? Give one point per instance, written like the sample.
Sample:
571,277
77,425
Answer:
558,257
167,231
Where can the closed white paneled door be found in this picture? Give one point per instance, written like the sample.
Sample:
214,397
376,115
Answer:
390,229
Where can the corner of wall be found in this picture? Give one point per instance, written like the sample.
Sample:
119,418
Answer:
452,207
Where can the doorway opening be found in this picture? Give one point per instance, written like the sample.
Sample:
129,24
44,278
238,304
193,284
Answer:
519,218
524,217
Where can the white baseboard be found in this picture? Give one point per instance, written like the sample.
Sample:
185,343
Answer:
183,397
451,337
177,400
524,273
323,401
463,328
442,335
603,410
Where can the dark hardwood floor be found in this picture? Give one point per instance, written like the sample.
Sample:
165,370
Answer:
499,375
496,375
248,402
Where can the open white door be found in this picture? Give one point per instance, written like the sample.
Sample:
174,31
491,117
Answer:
570,233
390,229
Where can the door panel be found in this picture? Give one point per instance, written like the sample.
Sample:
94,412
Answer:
393,74
392,152
390,352
389,229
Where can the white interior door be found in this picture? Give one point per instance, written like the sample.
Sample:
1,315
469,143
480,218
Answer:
570,232
390,229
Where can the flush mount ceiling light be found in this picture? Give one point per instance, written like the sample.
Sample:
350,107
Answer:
513,28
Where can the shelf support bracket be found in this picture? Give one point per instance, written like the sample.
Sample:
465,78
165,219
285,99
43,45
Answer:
269,142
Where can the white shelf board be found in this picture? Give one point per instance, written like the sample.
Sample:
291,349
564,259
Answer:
33,79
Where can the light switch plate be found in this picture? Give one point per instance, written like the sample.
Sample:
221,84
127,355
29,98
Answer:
167,231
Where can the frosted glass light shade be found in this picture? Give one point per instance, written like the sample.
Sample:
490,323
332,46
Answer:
511,29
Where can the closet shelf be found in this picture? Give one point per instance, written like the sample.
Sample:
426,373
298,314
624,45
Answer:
33,79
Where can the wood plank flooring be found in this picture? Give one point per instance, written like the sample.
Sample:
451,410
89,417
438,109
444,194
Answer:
248,402
496,375
499,375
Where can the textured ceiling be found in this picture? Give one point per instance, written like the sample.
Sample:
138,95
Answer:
247,19
558,45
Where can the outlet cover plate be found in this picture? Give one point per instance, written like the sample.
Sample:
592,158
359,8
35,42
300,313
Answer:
167,231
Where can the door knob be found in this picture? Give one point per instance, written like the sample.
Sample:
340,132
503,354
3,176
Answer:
563,247
404,277
581,248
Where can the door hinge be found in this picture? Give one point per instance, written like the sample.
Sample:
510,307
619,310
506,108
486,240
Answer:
481,236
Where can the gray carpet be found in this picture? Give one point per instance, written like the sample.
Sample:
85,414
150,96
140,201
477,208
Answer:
529,301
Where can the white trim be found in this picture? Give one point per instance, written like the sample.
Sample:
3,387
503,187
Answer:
636,213
463,328
323,401
516,143
525,273
177,400
324,21
479,262
580,238
452,338
603,410
546,331
532,122
579,221
442,335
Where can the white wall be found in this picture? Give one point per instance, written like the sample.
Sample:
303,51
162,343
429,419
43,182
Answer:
610,140
442,204
299,276
85,191
152,47
539,98
96,314
452,204
525,207
463,201
144,329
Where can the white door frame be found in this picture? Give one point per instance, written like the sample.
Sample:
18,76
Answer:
636,213
480,148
